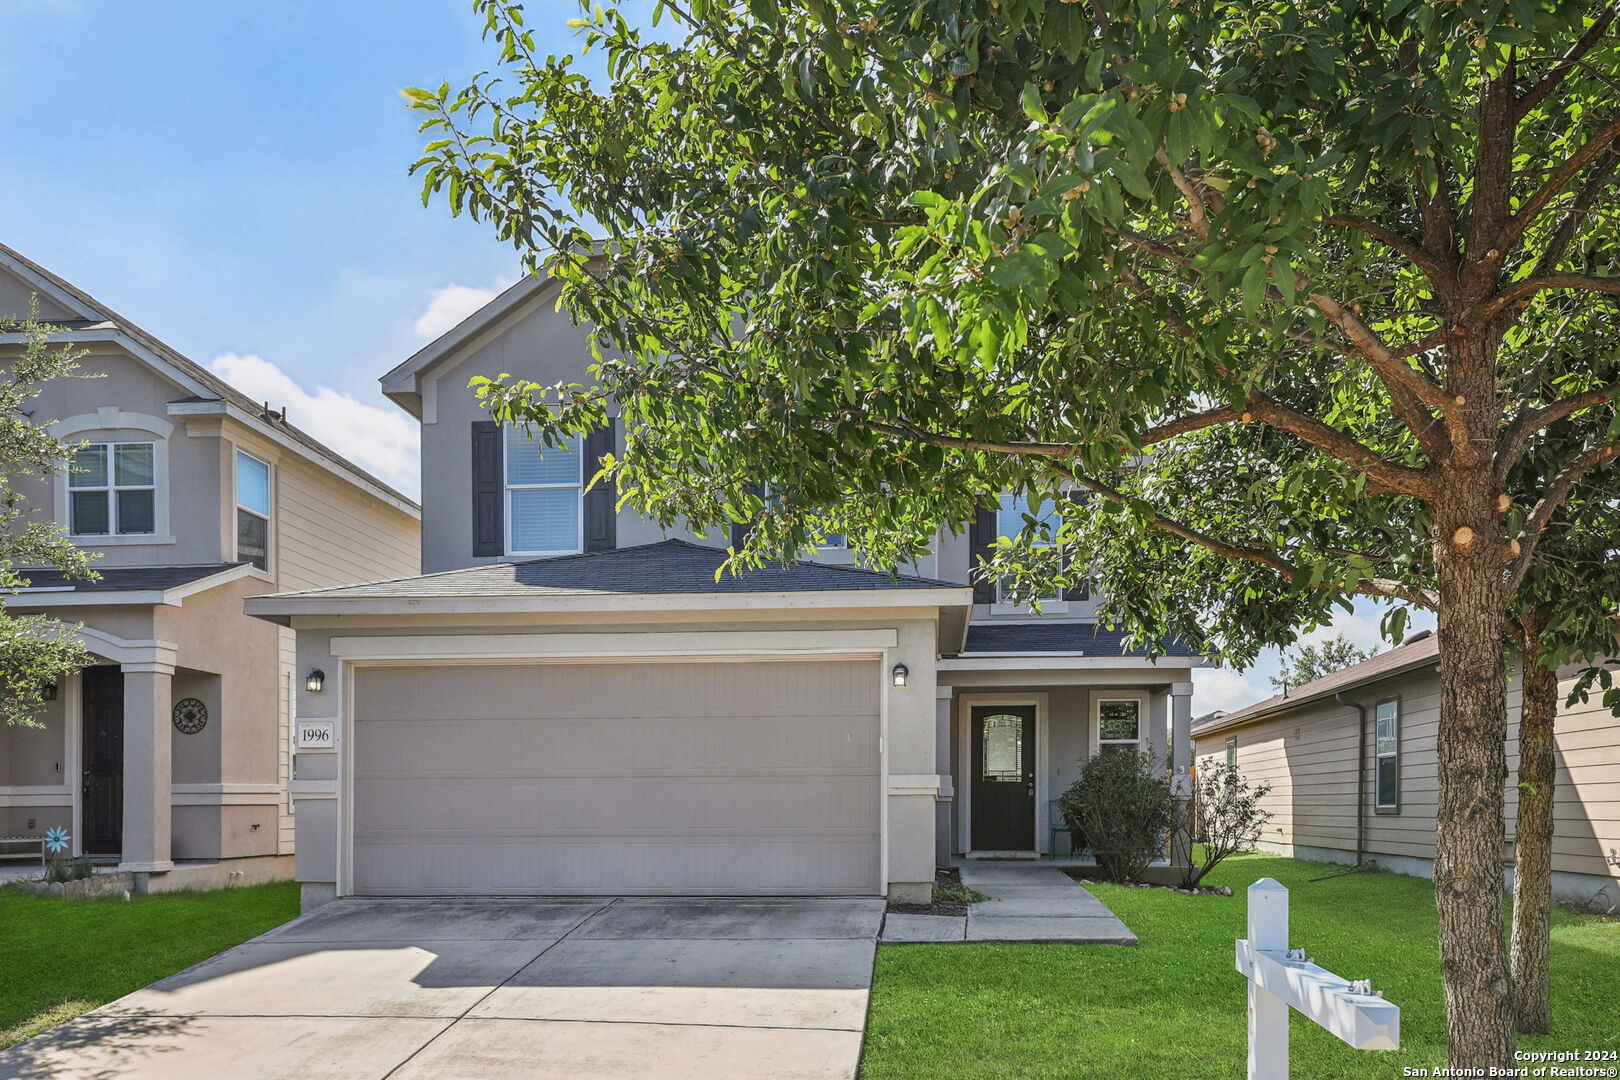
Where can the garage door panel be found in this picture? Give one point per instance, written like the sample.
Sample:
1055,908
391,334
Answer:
534,747
690,778
687,866
473,808
591,691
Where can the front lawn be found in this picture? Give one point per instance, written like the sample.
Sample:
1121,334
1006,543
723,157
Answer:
1174,1006
62,958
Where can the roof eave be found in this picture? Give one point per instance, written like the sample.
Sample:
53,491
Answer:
284,606
1232,720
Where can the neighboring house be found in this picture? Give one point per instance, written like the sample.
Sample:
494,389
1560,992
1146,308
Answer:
174,748
1383,714
570,702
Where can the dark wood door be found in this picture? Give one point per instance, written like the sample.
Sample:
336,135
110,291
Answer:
103,820
1004,778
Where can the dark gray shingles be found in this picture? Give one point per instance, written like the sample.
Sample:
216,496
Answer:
669,566
1077,638
126,578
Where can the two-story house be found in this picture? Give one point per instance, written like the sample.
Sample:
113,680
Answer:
171,754
569,701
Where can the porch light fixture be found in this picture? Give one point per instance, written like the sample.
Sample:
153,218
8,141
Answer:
48,691
901,673
315,680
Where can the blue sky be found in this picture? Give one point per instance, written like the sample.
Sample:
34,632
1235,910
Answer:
232,176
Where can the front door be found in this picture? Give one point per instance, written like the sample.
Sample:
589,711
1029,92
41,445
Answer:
1003,778
103,818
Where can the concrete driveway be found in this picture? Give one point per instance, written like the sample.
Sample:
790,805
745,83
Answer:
707,989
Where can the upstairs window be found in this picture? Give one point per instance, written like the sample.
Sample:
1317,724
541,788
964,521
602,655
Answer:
1010,522
252,510
1387,757
1231,752
112,490
544,485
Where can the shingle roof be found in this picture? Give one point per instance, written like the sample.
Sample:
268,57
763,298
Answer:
1074,638
126,578
222,389
668,566
1415,651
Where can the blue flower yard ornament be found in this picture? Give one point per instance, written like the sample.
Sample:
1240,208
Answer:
57,840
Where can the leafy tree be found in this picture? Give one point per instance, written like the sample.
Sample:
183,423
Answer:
1566,613
1226,817
895,257
35,651
1313,660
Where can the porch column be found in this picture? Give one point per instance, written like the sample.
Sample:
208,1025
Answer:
1181,763
148,774
944,802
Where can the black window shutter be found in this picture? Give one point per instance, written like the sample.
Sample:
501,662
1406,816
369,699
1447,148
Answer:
1076,501
981,541
740,530
488,511
601,526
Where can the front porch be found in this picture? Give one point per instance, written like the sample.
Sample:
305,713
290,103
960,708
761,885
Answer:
1014,733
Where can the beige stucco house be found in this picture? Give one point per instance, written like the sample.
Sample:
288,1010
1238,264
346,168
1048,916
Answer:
171,755
568,701
1351,763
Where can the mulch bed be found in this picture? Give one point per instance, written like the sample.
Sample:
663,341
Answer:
1202,890
948,878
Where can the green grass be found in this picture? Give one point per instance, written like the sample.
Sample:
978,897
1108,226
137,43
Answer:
62,958
957,894
1174,1006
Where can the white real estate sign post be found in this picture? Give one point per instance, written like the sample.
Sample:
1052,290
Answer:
1281,978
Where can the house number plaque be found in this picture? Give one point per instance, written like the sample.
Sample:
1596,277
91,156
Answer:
317,734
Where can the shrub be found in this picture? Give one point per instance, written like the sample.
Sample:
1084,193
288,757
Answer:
1225,816
61,869
1120,810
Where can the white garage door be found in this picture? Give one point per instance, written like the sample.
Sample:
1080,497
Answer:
679,778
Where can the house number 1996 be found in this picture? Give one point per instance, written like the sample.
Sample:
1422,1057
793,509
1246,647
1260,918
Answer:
314,734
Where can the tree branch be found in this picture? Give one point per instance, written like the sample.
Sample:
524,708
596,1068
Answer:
1517,224
1556,494
1523,290
1430,266
1409,388
1389,475
1196,210
1529,421
1566,63
1588,195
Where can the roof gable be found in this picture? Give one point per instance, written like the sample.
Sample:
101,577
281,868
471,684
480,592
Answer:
94,321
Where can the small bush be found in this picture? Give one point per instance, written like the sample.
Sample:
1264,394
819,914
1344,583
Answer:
1225,817
1120,810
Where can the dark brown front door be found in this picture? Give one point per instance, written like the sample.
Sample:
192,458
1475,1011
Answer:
1004,778
103,822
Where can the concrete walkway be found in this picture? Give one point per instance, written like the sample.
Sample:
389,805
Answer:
1028,903
582,989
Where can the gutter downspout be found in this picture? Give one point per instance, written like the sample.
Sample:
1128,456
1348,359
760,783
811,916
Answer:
1361,771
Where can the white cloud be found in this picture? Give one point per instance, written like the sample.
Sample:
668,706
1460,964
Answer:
380,439
448,306
1225,689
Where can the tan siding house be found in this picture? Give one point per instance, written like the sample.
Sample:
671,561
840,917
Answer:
171,754
1307,746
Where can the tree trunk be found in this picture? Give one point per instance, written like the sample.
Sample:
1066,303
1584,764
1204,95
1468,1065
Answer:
1471,748
1532,849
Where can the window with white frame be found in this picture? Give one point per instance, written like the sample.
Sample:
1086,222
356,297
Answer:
1010,522
252,510
1231,751
112,489
544,489
1119,726
1387,757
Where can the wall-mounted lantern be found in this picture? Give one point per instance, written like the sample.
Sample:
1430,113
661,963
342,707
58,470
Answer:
315,680
901,673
